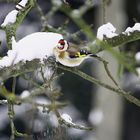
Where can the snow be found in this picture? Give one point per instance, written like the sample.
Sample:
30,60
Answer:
137,56
107,30
21,4
25,94
38,45
129,30
10,18
96,116
66,118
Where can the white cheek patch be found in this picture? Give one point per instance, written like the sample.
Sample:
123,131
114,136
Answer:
61,47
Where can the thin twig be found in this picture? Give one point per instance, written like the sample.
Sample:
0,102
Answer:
105,63
119,91
71,125
11,117
14,85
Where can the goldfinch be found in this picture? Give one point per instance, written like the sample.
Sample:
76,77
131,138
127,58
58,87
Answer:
69,56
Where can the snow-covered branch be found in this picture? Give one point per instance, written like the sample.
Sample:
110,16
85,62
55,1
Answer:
66,120
30,54
15,18
107,36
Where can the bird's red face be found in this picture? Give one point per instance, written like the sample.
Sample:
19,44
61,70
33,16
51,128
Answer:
62,45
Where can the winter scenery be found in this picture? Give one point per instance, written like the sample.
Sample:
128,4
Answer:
69,70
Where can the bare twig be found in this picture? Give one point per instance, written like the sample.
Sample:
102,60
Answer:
105,63
11,117
119,91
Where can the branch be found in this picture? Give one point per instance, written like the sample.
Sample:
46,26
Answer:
105,63
123,38
10,26
97,45
75,15
119,91
67,121
115,41
30,66
19,69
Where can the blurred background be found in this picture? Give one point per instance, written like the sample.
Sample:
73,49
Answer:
113,117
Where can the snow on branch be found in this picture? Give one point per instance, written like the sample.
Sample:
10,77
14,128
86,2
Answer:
12,16
106,31
14,19
106,35
66,120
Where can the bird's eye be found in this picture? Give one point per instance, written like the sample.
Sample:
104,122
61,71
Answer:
62,45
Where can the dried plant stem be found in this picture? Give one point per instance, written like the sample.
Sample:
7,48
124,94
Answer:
11,117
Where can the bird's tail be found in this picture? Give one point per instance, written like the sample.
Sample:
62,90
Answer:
94,55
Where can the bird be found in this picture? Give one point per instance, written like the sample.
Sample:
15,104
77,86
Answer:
42,45
68,55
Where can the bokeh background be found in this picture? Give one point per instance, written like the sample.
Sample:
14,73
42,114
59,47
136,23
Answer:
113,117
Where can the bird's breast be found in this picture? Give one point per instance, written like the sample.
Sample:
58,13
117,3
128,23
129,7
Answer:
61,55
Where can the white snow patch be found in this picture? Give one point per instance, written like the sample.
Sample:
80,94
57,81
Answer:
107,30
137,56
66,118
25,94
129,30
10,18
38,45
22,3
96,116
